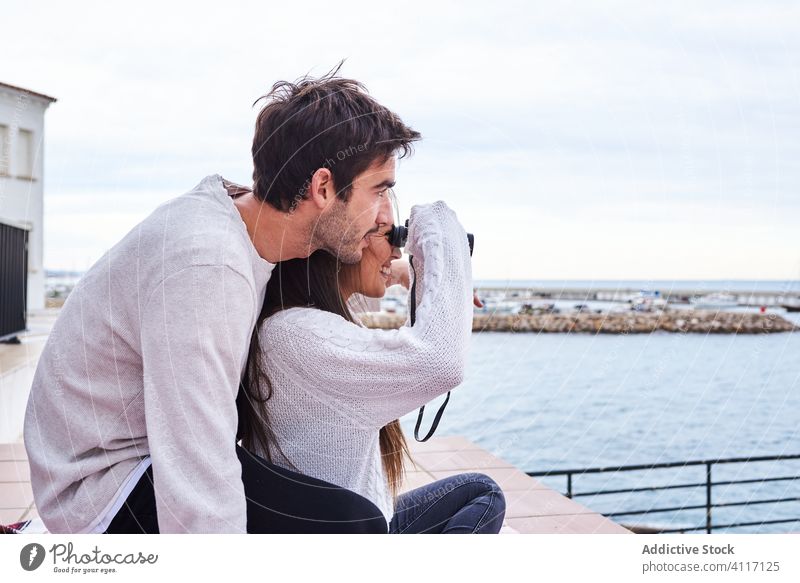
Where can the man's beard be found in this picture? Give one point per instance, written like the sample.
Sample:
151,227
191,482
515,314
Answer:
334,233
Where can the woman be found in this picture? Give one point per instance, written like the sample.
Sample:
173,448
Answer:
323,394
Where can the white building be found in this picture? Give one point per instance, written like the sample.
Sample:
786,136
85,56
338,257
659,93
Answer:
22,191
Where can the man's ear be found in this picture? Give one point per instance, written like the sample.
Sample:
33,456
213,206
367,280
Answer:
321,191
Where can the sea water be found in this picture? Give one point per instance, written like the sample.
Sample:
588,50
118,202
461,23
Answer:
564,401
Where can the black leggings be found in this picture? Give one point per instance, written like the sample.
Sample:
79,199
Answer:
278,501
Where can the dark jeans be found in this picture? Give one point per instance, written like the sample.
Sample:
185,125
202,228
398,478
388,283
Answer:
468,503
278,501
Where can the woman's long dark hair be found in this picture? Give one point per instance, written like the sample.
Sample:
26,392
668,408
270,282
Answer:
313,283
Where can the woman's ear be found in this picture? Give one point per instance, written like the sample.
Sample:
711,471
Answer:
321,191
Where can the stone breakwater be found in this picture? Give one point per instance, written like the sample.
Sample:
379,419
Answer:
694,321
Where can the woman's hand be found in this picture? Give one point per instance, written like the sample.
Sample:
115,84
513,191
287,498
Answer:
400,273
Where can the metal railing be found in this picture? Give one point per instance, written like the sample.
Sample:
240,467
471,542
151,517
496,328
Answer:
708,484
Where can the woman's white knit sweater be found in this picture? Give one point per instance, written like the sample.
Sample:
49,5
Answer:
336,384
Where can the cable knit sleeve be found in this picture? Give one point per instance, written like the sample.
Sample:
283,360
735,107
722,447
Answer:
377,376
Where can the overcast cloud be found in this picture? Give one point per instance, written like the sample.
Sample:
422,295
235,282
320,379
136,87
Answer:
626,140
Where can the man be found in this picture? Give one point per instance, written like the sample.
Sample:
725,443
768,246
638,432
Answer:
131,421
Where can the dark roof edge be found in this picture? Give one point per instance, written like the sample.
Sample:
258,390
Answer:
28,91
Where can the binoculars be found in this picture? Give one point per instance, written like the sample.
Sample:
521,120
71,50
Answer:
398,235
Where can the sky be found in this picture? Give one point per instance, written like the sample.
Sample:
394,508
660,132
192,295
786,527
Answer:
576,140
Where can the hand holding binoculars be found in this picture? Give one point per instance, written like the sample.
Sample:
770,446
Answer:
398,235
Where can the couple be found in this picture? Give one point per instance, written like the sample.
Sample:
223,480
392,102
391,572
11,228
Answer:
225,316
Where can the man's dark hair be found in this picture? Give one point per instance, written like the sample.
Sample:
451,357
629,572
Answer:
329,122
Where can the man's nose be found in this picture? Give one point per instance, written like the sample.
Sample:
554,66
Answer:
384,216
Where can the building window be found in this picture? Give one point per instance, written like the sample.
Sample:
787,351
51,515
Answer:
25,154
4,148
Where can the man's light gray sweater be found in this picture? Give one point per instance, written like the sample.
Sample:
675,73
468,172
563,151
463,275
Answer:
145,360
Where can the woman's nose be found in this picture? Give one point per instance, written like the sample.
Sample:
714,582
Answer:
396,253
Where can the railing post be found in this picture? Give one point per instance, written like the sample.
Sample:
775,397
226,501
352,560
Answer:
708,498
569,485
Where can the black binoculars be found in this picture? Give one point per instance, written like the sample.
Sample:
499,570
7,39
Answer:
398,235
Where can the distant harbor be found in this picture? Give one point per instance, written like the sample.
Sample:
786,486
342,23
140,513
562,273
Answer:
699,294
697,321
621,307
